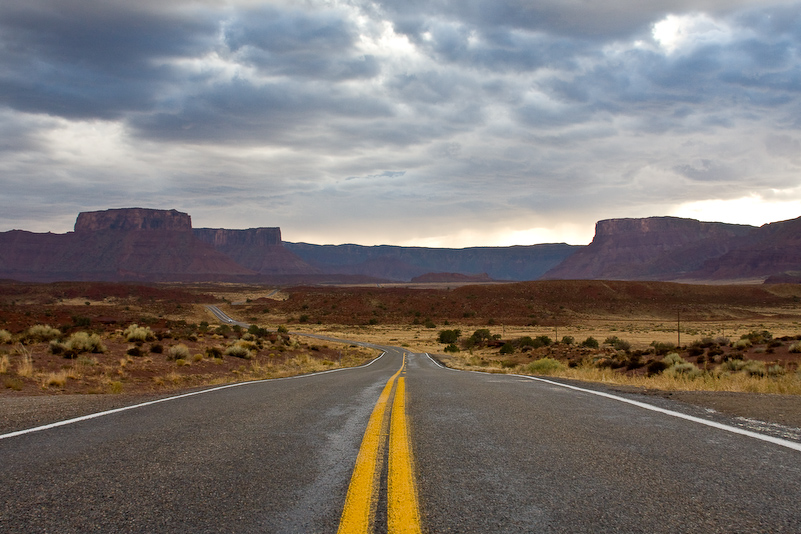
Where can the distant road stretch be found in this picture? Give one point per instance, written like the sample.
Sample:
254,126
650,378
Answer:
397,445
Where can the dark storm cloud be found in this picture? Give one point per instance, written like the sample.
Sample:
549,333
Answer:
239,111
573,18
564,106
296,43
91,59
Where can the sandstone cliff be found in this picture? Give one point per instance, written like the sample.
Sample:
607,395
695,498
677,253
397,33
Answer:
772,250
119,244
653,248
258,249
127,219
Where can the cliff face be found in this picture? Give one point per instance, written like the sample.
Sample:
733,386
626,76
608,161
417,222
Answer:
119,244
654,248
258,249
154,245
253,237
127,219
768,251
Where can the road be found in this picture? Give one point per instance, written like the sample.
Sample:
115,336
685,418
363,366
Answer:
487,453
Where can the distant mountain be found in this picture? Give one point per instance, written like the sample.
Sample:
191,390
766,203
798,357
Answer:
161,245
770,251
672,248
405,263
117,244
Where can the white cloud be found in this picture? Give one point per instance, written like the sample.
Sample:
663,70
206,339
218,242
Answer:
752,209
683,32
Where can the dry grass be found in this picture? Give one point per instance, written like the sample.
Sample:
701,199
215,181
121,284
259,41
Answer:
25,366
640,334
5,364
56,379
786,384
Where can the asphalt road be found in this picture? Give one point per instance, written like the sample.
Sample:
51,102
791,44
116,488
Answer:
491,453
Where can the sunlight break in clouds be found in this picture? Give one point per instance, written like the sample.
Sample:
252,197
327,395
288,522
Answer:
572,234
752,210
688,31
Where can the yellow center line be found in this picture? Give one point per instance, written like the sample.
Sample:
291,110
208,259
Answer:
402,509
357,516
403,514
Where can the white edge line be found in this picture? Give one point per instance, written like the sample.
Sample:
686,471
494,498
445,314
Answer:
720,426
733,429
143,404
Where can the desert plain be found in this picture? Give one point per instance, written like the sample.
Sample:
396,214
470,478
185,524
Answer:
74,347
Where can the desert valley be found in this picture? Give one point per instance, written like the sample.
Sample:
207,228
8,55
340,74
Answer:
146,329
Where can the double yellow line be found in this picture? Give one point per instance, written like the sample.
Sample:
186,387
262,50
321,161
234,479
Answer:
403,514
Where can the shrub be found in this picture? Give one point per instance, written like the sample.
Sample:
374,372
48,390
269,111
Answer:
257,331
757,337
5,337
238,351
136,333
621,344
775,370
660,348
282,329
507,348
524,341
80,321
83,342
684,370
706,342
449,336
673,359
655,367
480,337
755,368
43,332
544,366
451,348
156,348
214,352
795,348
695,349
223,330
732,365
135,351
742,344
57,347
178,352
568,340
590,343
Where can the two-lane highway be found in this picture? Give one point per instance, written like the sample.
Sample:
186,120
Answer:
486,453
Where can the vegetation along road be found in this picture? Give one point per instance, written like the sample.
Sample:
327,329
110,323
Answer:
399,445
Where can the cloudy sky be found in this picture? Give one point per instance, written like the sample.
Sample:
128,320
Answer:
434,123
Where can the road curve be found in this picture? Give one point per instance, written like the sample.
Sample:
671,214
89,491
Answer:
491,453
